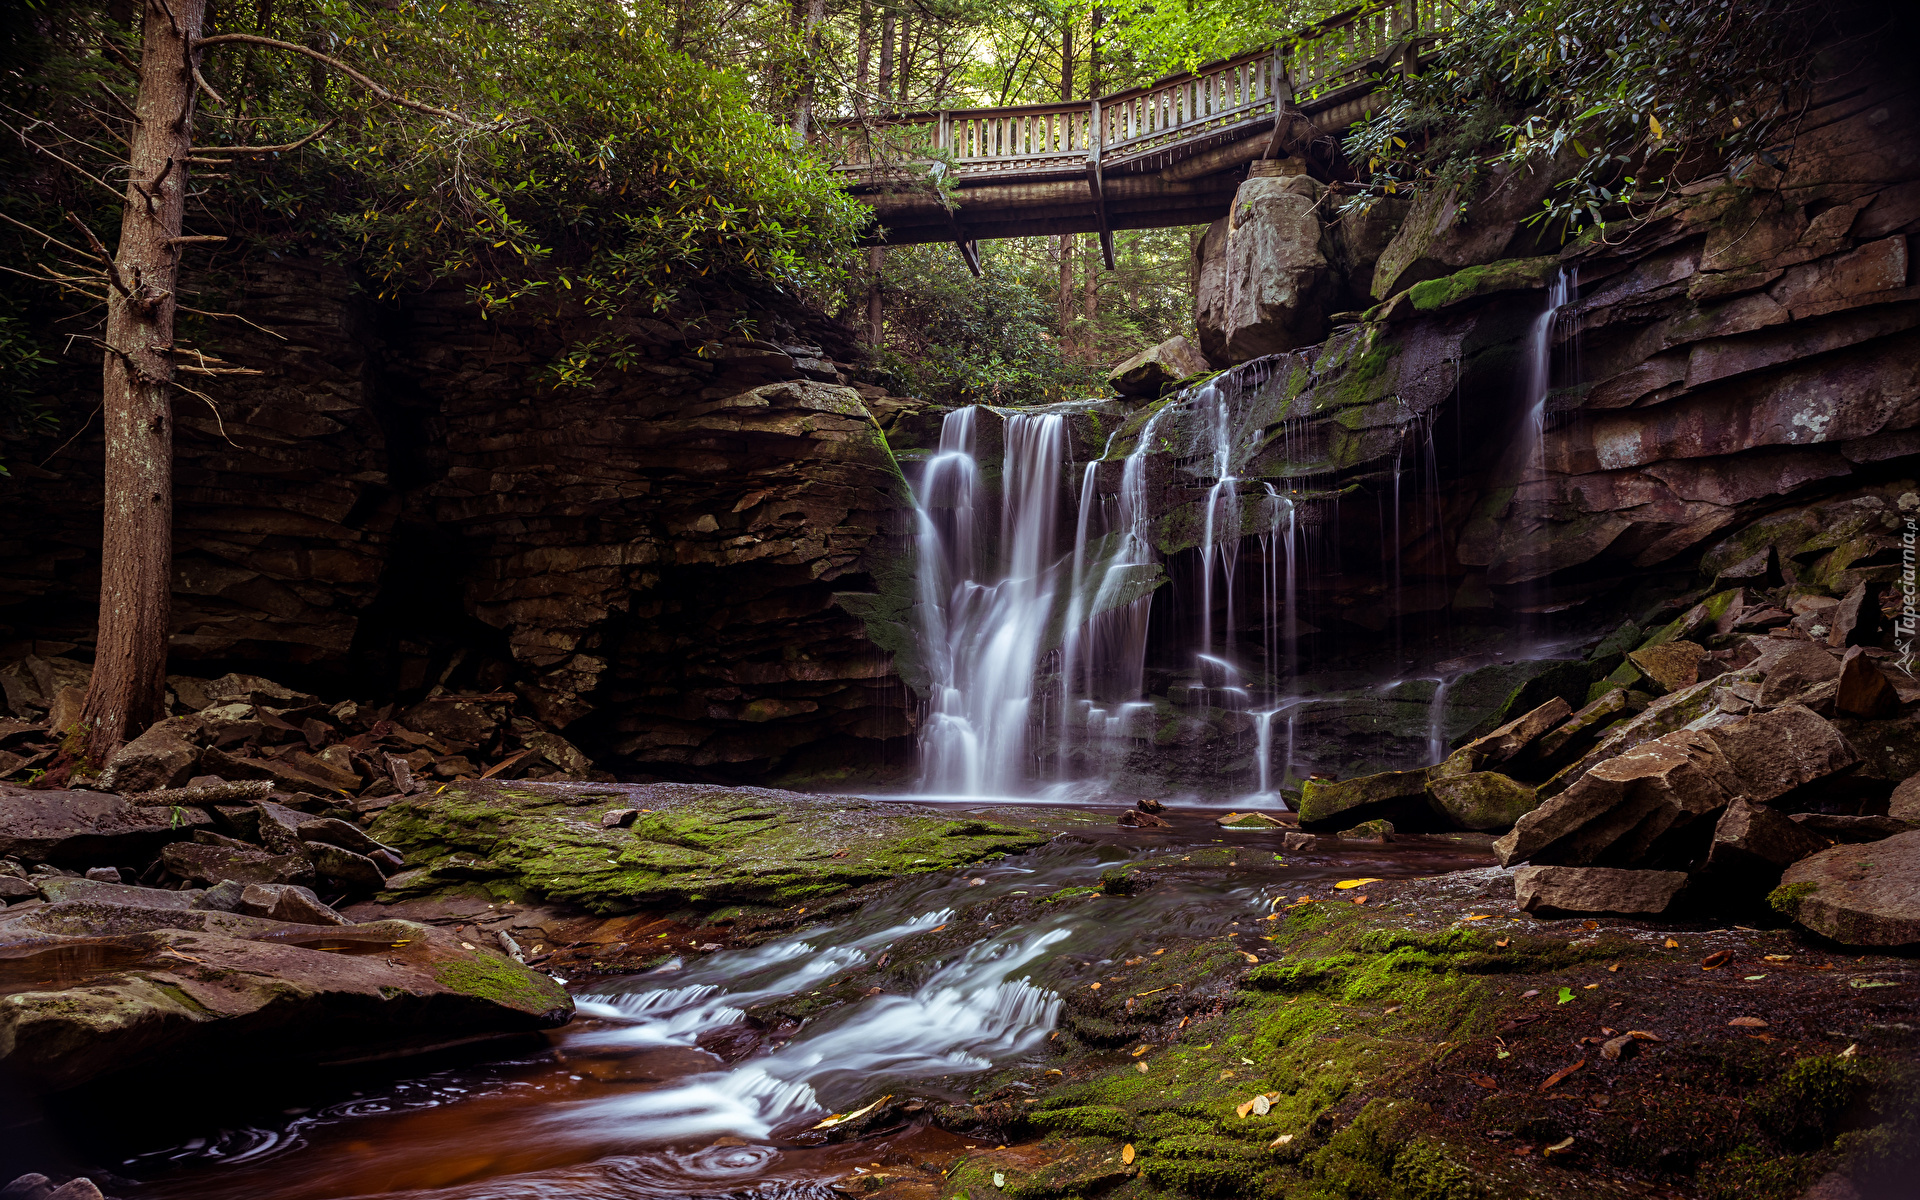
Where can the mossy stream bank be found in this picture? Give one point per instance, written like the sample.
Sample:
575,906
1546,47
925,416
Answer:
1143,1013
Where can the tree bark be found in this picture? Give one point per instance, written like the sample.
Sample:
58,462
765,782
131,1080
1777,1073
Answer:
875,260
1064,301
863,59
136,568
803,106
886,61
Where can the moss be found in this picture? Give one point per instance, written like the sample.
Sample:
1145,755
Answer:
1088,1120
493,977
1786,898
1805,1107
706,845
1752,1173
1504,276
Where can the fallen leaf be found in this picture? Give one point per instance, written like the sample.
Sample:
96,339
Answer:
1282,1140
1559,1147
1748,1022
1589,987
1672,945
1225,1075
1530,993
1562,1073
1485,1081
1717,959
1613,966
1871,983
1126,1154
1589,924
1348,884
1849,1051
1359,899
1252,958
1753,978
1478,917
843,1118
1140,1067
1566,996
999,1179
1143,1050
1641,1035
1502,943
1055,1071
1779,958
1093,987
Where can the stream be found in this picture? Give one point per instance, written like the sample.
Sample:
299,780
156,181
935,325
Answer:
663,1086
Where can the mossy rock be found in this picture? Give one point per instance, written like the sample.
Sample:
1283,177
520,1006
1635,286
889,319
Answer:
1486,801
696,844
1507,275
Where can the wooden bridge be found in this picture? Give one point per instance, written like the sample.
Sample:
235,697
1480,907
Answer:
1149,157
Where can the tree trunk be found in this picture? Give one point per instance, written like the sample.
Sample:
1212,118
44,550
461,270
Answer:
863,59
803,107
136,568
886,61
906,57
1090,303
875,260
1064,301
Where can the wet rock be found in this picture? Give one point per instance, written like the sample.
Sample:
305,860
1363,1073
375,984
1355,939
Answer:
1639,807
214,864
287,902
1752,844
1325,803
1375,830
1156,369
76,1189
1513,739
1801,666
104,874
57,889
335,832
720,844
1298,841
1579,731
1133,818
85,828
1774,752
344,868
253,690
1660,717
1863,691
1905,802
234,986
207,793
1149,805
221,897
1672,666
1857,619
162,757
1483,800
1842,827
1556,890
1251,820
13,888
1858,896
618,818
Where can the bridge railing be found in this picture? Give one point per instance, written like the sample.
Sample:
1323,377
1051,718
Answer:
1217,98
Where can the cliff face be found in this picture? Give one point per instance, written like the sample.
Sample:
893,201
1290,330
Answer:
402,502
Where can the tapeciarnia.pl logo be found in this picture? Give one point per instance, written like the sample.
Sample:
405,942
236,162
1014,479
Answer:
1904,624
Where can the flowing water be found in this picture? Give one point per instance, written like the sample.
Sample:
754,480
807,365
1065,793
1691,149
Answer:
688,1082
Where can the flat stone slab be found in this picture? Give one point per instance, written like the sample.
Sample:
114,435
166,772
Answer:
79,828
1858,895
1549,891
689,843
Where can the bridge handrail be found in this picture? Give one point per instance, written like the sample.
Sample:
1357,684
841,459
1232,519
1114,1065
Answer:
1215,97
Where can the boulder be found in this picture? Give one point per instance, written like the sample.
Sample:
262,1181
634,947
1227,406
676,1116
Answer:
344,868
1857,619
1277,277
75,828
1156,369
162,757
1774,752
1801,666
1250,820
1565,891
1579,731
1482,800
220,994
1858,896
1325,804
1644,806
1863,691
252,690
1904,805
13,888
287,902
1664,715
59,888
1509,741
1752,844
469,720
1298,841
1672,666
1133,818
214,864
1844,827
1436,240
335,832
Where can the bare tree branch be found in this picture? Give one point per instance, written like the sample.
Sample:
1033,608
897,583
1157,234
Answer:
80,171
381,93
263,149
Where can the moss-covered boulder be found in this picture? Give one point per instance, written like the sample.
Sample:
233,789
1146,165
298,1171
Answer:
690,843
1336,804
1483,800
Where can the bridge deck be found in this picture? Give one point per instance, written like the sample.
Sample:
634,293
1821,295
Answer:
1148,157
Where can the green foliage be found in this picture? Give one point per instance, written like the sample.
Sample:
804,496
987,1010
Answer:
1612,93
958,339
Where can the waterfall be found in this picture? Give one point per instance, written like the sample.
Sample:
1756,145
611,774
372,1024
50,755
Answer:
1437,719
982,635
1533,433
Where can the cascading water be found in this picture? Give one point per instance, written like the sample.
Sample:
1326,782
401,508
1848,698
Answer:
982,635
1532,451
